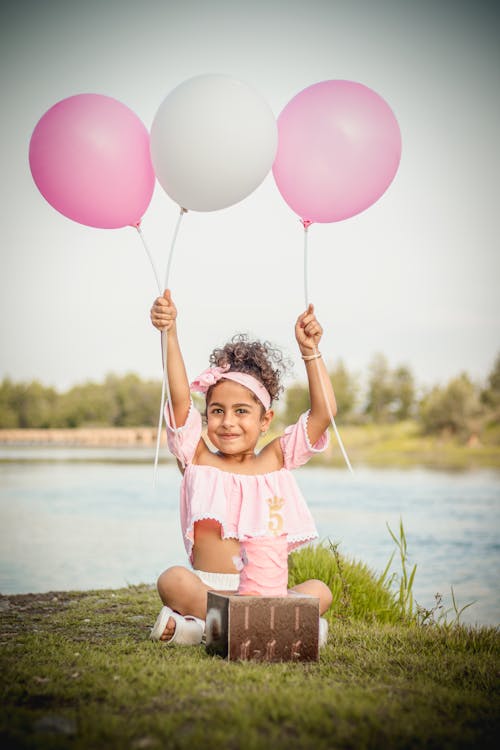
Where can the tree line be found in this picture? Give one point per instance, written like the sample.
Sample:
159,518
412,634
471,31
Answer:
460,407
120,401
386,394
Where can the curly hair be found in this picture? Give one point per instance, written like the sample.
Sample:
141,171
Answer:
260,359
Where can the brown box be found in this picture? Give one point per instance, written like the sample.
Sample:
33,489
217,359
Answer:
274,628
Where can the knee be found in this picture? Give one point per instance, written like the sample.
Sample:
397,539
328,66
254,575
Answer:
318,589
323,593
171,580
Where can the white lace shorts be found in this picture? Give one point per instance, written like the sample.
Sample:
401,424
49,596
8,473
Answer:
219,581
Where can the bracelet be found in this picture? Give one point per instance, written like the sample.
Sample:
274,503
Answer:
309,357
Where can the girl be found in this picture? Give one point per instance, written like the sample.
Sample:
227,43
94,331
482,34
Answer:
233,497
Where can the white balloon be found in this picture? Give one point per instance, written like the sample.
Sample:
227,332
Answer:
213,141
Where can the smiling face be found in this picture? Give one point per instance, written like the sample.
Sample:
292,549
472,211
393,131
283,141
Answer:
235,418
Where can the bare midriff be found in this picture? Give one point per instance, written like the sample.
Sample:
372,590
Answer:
210,551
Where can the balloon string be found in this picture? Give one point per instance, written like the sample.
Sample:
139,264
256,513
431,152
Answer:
165,389
174,239
158,284
306,264
139,230
320,375
332,420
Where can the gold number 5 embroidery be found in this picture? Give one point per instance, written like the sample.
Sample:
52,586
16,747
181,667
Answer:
275,525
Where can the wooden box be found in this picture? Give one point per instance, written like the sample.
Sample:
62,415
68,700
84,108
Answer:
262,628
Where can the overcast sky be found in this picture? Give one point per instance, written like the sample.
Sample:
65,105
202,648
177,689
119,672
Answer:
415,276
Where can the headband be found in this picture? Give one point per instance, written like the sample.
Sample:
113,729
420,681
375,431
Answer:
212,375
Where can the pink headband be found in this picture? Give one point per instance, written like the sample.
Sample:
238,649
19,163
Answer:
212,375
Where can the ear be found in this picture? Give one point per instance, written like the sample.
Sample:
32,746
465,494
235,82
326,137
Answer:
266,419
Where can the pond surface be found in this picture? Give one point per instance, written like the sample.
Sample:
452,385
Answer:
91,518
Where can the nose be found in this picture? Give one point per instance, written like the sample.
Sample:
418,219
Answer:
228,420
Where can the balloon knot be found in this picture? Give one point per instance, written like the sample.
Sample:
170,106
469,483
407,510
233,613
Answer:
306,223
184,210
136,224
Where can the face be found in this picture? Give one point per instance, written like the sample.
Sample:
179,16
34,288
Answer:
235,418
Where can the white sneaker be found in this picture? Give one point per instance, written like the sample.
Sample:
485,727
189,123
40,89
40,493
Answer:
188,630
323,632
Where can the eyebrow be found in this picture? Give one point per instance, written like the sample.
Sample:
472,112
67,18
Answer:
233,406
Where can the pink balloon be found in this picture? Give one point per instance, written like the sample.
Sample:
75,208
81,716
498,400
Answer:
89,157
339,147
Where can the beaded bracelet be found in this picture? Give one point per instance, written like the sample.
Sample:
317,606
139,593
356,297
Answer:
309,357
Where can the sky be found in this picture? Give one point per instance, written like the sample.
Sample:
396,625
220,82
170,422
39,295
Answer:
415,276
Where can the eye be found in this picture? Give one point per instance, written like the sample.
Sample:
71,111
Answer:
241,410
216,410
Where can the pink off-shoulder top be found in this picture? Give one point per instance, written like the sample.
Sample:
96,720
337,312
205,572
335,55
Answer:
244,505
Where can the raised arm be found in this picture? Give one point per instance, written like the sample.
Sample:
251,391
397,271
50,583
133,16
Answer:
163,317
308,333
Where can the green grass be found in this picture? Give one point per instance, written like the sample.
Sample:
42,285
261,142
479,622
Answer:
78,671
357,592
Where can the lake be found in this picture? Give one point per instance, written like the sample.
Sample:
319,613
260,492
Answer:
76,519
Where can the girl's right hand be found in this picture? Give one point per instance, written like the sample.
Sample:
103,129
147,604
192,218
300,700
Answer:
163,312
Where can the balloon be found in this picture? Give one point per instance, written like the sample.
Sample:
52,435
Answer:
339,147
89,157
213,140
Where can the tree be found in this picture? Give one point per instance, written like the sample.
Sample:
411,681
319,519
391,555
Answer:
346,391
391,393
26,404
9,401
85,405
346,387
490,396
137,401
296,403
380,393
454,408
36,405
403,385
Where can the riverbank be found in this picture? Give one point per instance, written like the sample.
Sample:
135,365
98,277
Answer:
79,671
399,445
82,437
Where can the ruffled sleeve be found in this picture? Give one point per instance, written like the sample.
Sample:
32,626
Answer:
182,442
295,444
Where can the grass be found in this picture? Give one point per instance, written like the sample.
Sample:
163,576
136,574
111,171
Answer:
402,445
78,671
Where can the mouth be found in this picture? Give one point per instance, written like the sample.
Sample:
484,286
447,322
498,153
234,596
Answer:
228,436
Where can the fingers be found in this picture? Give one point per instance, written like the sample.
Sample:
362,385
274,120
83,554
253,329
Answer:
307,317
308,327
163,312
164,304
312,329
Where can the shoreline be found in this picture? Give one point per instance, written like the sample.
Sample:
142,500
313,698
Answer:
398,445
82,437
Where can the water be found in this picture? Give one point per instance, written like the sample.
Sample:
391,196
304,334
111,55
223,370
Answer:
90,518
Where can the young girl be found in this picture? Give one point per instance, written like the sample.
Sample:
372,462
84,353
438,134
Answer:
232,498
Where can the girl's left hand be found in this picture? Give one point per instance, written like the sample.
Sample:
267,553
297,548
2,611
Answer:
308,331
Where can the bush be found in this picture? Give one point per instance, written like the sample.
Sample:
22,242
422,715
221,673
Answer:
391,393
454,409
358,593
346,388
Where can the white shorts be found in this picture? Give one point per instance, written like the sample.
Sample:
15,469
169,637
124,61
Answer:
219,581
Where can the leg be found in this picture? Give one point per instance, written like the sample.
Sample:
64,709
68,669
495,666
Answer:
320,590
316,588
182,591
